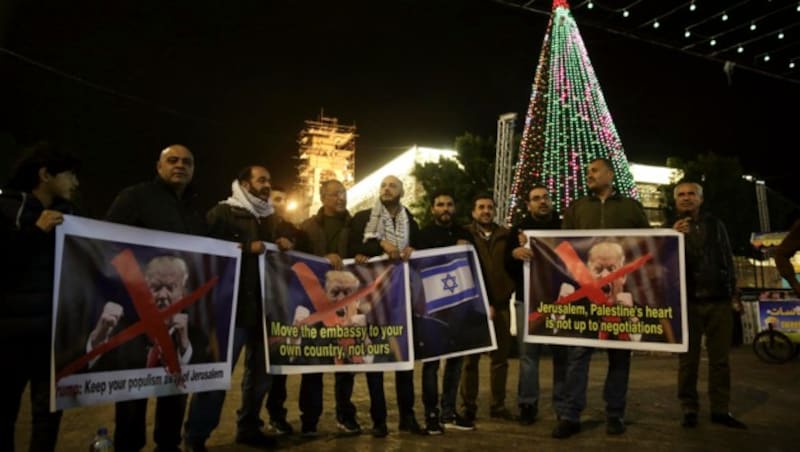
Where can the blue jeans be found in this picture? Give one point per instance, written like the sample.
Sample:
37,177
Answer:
572,394
430,387
206,407
345,409
528,385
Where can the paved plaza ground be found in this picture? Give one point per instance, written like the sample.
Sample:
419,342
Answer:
766,397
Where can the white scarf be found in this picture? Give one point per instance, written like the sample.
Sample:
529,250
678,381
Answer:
241,198
382,227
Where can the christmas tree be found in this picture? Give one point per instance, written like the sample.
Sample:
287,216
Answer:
568,123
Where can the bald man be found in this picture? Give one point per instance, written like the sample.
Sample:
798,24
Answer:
166,204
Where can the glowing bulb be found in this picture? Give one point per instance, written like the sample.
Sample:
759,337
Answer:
692,7
656,24
791,65
687,33
780,35
740,49
625,13
590,5
724,17
766,58
752,27
713,42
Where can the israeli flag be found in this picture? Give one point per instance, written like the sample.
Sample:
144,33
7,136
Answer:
448,285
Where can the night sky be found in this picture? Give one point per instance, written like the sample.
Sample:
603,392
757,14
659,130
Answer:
234,81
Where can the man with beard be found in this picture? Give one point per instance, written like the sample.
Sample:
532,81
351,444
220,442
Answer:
603,208
388,228
247,217
166,204
540,216
443,232
490,240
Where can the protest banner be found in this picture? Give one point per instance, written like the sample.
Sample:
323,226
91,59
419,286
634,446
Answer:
139,313
607,288
319,319
449,303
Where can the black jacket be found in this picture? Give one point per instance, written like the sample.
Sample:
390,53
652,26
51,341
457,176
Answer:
154,205
436,236
710,272
514,266
236,224
26,270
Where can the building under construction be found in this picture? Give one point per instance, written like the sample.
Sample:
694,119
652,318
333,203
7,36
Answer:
327,151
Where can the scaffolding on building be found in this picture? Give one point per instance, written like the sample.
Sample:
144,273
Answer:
327,151
502,169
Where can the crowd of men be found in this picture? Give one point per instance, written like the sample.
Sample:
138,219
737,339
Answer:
44,182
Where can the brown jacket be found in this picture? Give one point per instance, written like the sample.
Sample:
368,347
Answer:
491,252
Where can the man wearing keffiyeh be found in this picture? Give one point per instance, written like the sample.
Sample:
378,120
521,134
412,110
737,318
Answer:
247,217
388,228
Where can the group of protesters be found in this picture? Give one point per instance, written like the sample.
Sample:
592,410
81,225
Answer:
44,181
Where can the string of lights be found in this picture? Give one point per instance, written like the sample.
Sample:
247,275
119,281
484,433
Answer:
568,123
761,36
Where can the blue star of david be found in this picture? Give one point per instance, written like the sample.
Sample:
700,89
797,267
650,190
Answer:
449,283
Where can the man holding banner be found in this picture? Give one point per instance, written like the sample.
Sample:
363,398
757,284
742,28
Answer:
165,204
31,206
388,228
490,241
603,208
246,217
443,232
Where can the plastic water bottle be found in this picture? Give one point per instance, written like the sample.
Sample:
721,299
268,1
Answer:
101,441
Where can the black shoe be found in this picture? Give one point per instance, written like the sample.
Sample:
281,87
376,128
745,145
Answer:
410,424
256,439
501,413
280,427
527,414
433,426
565,429
309,431
380,431
194,446
615,426
348,426
458,423
727,420
689,420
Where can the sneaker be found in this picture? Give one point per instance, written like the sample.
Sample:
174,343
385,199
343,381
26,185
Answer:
565,429
410,424
380,431
280,427
727,420
527,414
459,423
615,426
433,426
256,438
348,426
689,420
501,413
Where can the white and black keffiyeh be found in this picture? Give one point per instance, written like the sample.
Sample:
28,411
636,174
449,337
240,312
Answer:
381,226
241,198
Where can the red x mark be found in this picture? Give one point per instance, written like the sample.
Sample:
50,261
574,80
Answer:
589,287
151,319
325,311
